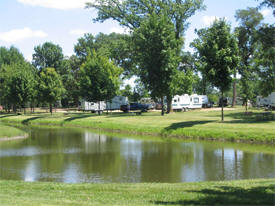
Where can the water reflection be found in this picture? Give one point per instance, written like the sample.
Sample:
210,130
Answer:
68,155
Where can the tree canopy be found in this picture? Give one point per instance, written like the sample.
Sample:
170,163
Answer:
218,49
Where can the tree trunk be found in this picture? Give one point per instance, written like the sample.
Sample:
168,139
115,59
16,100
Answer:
51,108
99,108
169,104
234,93
162,106
14,108
246,106
222,107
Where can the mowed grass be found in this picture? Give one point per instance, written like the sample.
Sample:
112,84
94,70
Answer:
197,124
245,192
7,131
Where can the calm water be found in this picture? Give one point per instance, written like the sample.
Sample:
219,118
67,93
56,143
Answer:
69,155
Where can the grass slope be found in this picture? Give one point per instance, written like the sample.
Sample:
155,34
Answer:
245,192
196,124
7,131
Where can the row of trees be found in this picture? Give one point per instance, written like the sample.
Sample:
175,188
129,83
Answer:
152,52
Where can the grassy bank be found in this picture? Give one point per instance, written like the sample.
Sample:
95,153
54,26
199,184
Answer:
246,192
205,124
8,132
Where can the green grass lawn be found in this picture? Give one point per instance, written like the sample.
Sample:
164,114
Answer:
198,124
7,131
245,192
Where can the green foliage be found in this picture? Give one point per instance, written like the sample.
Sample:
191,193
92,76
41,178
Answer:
268,3
10,56
218,50
131,13
156,48
116,47
250,20
265,59
99,78
50,86
17,79
47,55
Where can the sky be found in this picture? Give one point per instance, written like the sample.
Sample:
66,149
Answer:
29,23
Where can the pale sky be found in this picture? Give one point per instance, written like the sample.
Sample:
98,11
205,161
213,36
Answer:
28,23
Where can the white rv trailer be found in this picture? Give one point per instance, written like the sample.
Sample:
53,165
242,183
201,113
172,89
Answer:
93,106
185,101
263,101
181,102
195,101
116,102
272,100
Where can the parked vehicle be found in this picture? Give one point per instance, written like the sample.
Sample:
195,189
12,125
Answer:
263,101
185,102
272,100
134,106
93,106
225,101
116,102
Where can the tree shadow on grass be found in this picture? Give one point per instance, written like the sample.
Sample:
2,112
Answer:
251,117
8,115
27,121
178,125
228,195
82,116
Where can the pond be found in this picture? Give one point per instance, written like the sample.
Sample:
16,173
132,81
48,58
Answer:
80,155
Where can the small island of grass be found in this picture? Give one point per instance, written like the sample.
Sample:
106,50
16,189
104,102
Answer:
10,133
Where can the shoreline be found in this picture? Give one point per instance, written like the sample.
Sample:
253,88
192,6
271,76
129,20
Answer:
193,125
5,139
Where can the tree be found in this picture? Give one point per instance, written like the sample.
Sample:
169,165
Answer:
250,20
218,48
131,14
69,71
156,48
22,84
265,58
50,86
10,56
268,3
99,78
116,47
47,55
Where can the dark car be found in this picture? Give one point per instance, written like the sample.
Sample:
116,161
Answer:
134,106
225,101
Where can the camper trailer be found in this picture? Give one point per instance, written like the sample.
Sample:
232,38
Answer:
93,106
185,101
180,103
116,102
195,101
263,101
272,100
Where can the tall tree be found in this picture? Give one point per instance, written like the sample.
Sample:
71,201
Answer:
47,55
131,13
99,78
50,87
157,47
250,20
265,58
218,48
